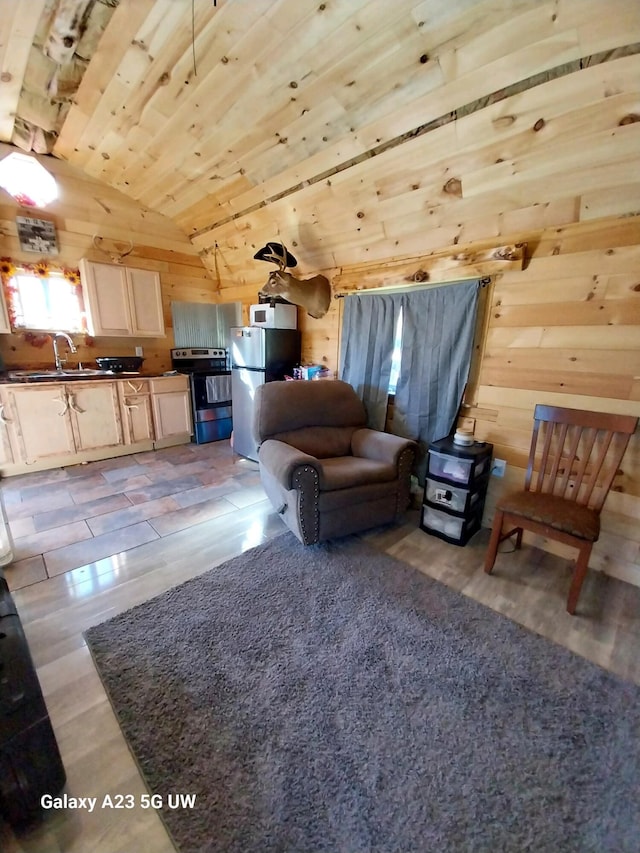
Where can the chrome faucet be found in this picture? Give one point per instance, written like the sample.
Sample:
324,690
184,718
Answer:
72,348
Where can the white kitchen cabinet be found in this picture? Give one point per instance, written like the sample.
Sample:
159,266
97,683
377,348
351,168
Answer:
94,411
65,423
122,301
171,402
6,453
137,419
58,420
39,424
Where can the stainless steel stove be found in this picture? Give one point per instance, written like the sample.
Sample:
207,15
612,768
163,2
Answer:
210,380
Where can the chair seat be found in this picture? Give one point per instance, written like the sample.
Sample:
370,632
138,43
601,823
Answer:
345,472
559,513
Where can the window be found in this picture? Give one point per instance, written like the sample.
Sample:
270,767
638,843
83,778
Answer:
43,298
396,358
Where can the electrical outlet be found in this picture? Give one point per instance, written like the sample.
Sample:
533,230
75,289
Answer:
498,468
139,352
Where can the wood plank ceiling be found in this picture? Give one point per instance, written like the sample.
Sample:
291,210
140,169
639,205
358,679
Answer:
206,111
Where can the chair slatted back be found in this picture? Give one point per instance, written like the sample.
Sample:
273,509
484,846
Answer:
575,454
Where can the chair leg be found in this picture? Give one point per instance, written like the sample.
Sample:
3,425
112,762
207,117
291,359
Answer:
579,574
518,543
494,541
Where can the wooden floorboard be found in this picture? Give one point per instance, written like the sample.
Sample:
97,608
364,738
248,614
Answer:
528,586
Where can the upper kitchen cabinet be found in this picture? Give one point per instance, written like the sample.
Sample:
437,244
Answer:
122,300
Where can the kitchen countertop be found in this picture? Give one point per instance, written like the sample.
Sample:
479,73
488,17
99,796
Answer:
38,377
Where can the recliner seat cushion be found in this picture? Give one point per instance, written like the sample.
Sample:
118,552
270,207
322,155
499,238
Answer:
347,472
559,513
345,500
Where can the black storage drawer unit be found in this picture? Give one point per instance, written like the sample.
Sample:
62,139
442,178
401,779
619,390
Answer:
455,489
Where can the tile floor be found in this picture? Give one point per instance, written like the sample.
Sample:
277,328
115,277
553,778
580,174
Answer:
69,517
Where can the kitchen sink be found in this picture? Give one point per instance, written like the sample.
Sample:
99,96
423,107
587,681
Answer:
56,375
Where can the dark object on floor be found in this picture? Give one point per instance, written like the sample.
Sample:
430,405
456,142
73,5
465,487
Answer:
323,470
120,364
574,469
332,698
30,763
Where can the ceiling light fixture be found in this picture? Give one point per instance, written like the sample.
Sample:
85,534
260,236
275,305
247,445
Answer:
27,181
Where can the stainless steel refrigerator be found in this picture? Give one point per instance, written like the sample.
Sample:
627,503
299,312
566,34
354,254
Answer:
257,356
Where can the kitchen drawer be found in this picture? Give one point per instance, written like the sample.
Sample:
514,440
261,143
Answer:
167,384
133,387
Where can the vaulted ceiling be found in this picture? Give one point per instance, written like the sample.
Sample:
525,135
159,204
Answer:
207,110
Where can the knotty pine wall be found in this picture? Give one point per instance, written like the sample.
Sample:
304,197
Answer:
86,208
555,167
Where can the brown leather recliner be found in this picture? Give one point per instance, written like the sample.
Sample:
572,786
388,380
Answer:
323,470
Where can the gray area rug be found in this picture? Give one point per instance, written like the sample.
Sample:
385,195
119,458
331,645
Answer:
334,699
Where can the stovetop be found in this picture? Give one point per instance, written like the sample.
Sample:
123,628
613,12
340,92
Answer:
200,359
197,352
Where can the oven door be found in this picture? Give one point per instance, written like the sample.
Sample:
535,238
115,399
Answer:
211,401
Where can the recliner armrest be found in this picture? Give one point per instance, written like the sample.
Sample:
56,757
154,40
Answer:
282,460
381,446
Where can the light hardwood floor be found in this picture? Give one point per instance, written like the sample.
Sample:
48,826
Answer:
528,587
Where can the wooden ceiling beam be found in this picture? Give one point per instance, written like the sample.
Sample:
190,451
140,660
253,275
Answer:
18,26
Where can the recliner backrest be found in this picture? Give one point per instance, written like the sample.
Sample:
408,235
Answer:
316,417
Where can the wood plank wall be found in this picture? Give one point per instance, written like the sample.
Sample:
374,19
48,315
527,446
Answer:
555,166
86,208
566,331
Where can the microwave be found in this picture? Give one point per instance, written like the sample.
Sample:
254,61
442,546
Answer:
276,316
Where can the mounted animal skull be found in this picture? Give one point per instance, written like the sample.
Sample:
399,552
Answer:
312,294
116,257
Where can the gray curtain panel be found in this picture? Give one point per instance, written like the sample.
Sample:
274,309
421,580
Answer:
437,344
368,327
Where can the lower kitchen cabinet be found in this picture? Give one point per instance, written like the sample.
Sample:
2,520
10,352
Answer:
171,401
63,419
39,423
137,418
64,423
94,411
6,453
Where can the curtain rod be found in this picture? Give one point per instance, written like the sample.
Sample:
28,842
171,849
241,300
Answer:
396,288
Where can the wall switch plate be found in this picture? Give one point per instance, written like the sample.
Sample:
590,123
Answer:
139,352
498,468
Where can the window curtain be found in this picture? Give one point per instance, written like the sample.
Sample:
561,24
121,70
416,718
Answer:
437,344
368,328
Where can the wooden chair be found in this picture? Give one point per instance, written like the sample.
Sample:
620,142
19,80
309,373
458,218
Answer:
573,459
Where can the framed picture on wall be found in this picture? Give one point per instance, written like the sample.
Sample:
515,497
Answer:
37,235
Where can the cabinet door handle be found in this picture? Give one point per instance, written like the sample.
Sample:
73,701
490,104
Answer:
131,406
74,405
133,387
2,417
65,402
